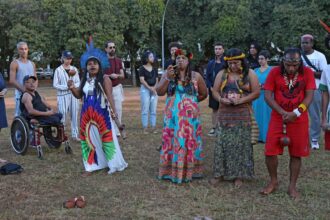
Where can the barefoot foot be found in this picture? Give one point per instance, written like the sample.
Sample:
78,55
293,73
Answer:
215,181
294,194
270,188
238,183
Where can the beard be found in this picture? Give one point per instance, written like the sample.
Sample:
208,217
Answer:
112,53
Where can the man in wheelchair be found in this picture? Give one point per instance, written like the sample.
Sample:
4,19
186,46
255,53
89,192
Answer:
37,119
34,107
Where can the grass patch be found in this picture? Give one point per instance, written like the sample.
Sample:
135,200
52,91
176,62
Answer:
135,193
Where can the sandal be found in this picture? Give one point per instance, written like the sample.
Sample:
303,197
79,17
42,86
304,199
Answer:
81,202
69,204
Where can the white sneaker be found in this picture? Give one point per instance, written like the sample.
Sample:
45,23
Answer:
211,132
315,145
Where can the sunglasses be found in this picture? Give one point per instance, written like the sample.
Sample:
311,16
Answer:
114,47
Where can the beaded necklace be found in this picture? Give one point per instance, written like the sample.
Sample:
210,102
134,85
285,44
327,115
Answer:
290,83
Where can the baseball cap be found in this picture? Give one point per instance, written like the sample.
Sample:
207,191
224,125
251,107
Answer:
26,78
67,54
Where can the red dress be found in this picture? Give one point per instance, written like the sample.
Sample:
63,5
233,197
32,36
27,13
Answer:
289,100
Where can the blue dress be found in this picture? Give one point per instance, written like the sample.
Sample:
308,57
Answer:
260,107
3,117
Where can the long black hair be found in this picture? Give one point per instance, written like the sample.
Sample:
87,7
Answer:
234,52
99,76
292,51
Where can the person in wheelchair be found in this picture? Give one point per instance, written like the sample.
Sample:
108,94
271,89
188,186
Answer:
34,107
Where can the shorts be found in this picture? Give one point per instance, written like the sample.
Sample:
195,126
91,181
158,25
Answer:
214,104
297,132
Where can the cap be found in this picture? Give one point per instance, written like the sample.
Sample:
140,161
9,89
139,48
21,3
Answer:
26,78
67,54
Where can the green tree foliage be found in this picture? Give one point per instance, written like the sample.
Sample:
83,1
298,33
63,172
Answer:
50,26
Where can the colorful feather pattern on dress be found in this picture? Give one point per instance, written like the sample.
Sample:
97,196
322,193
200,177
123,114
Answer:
93,115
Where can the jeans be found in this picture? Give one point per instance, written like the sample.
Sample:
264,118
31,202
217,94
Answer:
148,106
17,108
314,111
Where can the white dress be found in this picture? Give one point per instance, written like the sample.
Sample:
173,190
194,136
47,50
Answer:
100,147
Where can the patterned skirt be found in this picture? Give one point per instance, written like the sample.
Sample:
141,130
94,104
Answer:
233,153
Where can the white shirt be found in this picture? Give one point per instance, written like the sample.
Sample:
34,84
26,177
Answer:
319,61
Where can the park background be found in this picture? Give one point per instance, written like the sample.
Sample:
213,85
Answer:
51,26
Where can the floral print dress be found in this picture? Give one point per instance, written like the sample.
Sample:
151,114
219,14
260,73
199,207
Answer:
181,154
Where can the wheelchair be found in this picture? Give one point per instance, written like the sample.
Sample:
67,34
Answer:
24,133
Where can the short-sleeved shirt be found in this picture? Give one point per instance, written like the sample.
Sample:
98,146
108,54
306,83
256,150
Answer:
325,80
149,77
289,100
115,67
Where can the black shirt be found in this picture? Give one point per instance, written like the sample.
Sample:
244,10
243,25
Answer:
149,77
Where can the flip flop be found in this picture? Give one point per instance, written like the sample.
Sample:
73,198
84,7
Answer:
81,202
86,174
71,203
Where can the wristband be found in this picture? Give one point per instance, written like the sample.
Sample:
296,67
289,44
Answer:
296,111
303,107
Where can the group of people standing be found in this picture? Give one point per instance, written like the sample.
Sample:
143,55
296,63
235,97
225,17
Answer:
240,88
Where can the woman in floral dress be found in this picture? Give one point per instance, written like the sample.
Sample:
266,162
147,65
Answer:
181,154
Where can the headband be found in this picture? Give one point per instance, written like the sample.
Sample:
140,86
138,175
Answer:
242,56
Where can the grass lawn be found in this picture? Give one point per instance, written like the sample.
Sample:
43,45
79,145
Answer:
135,193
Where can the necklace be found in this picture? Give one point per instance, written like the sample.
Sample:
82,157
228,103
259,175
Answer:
292,82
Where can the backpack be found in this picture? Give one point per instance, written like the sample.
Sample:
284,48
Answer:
11,168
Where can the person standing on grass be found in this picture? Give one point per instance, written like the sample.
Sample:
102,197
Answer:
149,79
181,154
213,68
289,91
66,102
19,68
116,74
318,63
235,88
99,143
260,107
3,116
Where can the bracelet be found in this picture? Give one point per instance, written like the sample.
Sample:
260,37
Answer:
297,112
303,107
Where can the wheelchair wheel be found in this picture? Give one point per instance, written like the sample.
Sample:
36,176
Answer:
19,135
50,135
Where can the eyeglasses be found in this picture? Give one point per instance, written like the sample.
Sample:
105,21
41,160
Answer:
114,47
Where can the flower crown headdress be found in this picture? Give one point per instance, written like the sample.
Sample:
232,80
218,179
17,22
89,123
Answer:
181,52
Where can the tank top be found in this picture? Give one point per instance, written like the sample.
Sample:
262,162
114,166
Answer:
23,70
36,103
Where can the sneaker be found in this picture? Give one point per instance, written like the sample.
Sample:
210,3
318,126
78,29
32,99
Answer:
77,139
145,131
315,145
211,132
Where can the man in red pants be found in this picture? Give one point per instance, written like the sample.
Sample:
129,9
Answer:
289,90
